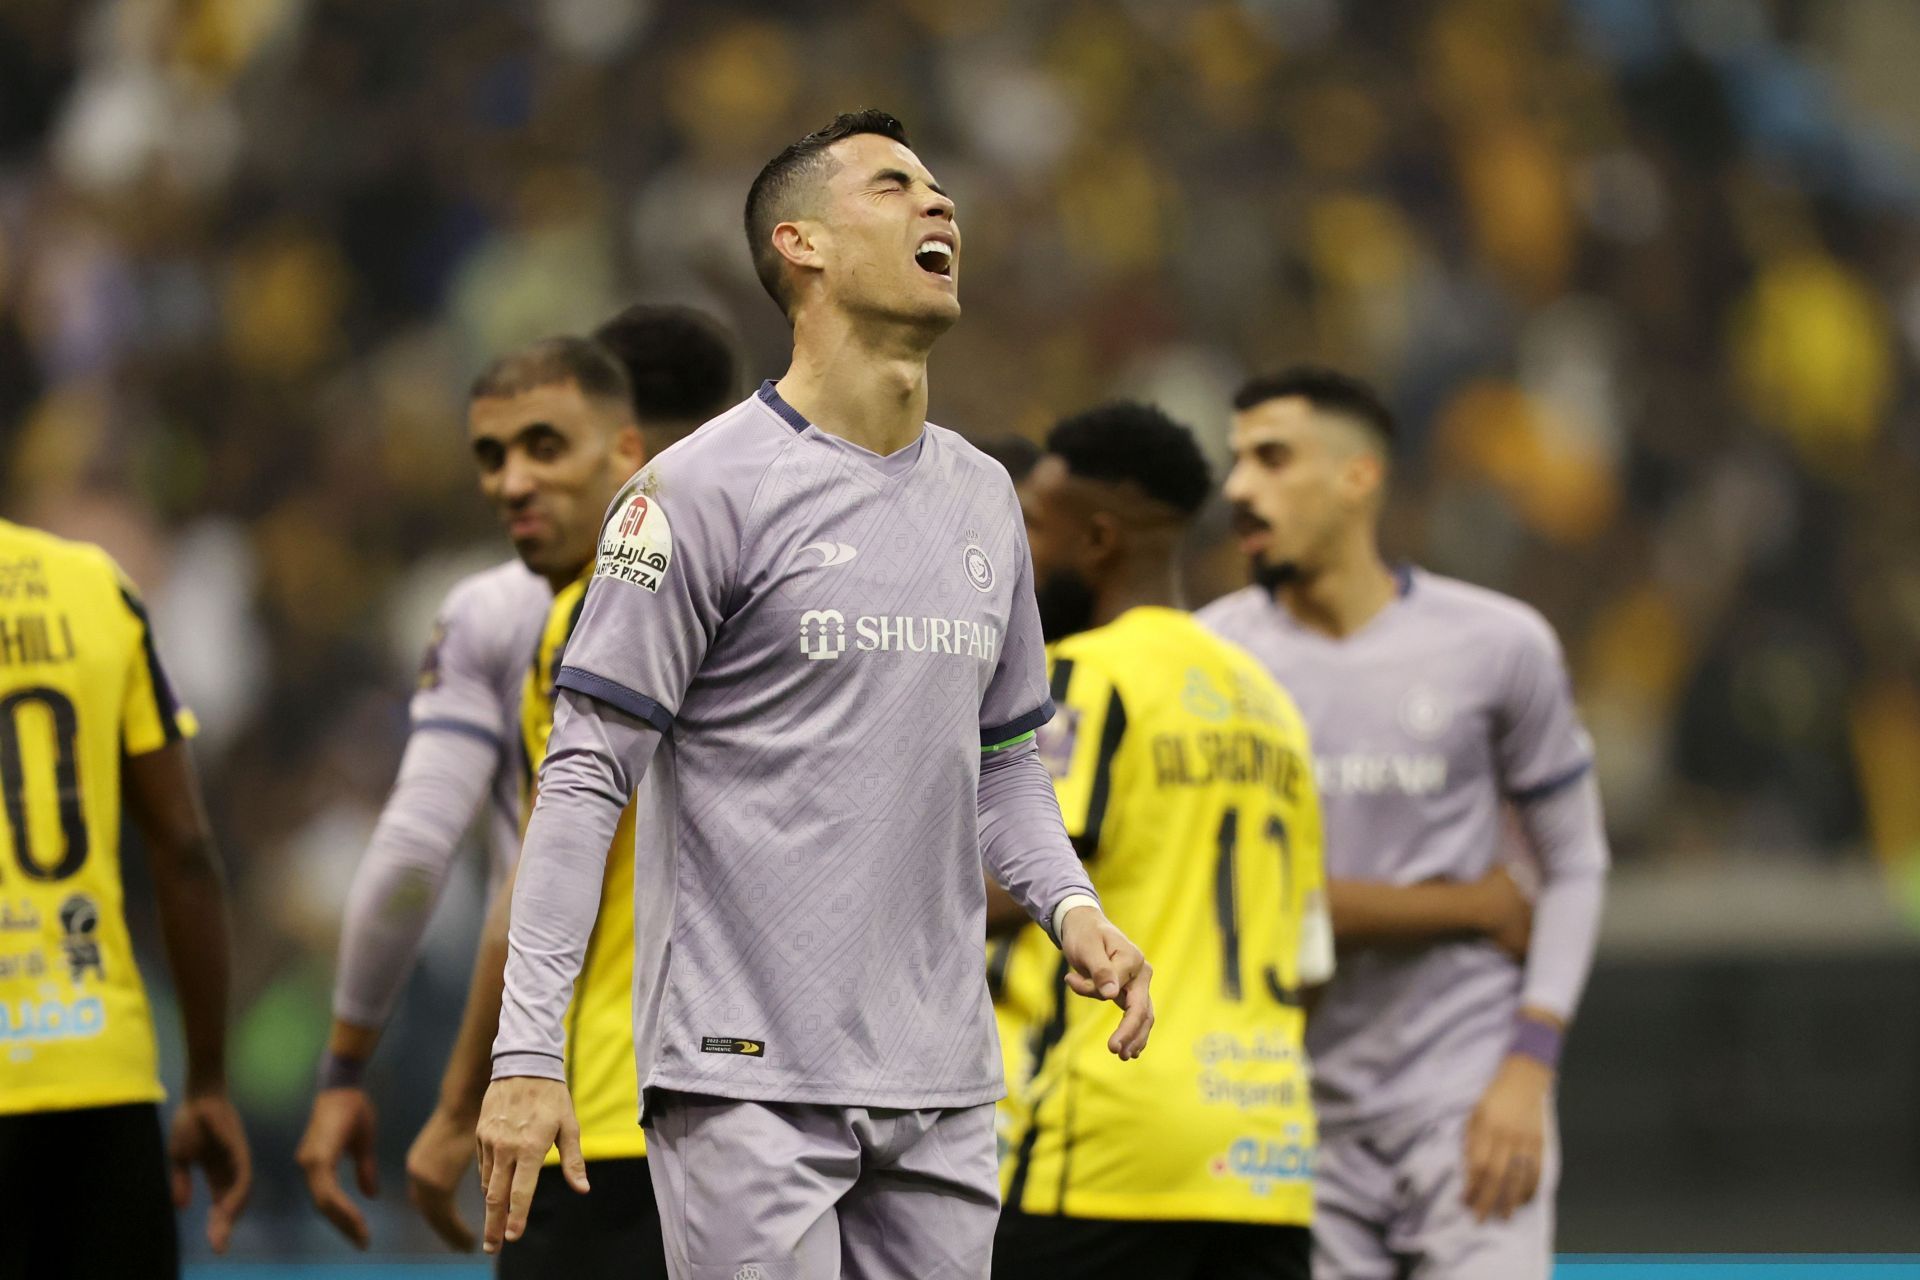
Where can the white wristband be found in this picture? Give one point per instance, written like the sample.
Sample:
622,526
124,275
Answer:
1067,904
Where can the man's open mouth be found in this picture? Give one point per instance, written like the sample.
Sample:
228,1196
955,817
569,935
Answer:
935,256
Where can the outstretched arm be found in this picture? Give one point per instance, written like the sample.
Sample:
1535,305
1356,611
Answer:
1368,912
163,796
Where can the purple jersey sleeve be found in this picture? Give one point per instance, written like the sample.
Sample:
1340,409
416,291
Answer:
1538,735
595,757
660,590
1016,700
1570,840
443,778
1022,839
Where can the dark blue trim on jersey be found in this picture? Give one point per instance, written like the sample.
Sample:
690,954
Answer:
788,414
615,695
441,724
1014,728
1557,783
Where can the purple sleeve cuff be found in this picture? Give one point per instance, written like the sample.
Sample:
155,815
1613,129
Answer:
528,1063
1540,1041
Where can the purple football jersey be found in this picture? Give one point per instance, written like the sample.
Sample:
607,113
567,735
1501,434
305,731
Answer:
1427,723
826,639
483,641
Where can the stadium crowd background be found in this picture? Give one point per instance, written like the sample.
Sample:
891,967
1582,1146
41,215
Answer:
1642,279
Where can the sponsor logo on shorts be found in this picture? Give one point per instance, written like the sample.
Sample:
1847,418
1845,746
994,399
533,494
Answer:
737,1045
1264,1164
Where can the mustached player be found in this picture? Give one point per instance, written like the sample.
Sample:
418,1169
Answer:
1441,714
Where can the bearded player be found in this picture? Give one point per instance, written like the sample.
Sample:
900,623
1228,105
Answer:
1442,720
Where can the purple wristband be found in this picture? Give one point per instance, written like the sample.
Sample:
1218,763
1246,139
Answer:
1538,1040
337,1072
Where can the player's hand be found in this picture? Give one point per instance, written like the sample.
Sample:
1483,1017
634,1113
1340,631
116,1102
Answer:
520,1121
1507,1138
1507,912
436,1164
342,1124
207,1132
1103,965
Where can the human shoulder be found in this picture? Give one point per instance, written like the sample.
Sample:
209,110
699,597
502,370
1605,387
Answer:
722,461
965,457
1507,626
1236,613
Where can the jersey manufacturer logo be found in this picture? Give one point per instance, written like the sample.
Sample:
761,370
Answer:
739,1046
823,634
831,553
637,545
979,568
751,1271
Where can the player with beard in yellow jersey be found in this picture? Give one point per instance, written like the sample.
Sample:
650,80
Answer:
87,718
1183,774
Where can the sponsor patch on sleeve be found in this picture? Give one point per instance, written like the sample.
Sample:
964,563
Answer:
637,544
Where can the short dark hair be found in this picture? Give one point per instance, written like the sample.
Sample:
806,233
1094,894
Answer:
551,361
1129,442
680,363
771,197
1325,389
1016,453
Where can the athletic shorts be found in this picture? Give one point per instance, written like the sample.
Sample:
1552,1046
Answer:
1049,1247
86,1193
612,1231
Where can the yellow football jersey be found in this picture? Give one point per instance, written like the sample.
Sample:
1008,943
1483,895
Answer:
1183,774
80,685
600,1070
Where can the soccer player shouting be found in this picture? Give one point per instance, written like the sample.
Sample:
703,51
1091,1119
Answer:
1437,710
811,644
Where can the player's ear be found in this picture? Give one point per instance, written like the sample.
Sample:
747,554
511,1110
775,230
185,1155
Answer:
1105,538
799,242
630,446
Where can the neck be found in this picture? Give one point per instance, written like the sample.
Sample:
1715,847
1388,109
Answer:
1345,595
1151,582
866,383
561,579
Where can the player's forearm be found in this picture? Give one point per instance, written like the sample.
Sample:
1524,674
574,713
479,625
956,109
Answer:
193,920
595,757
1569,837
469,1066
1368,912
163,798
1022,839
443,778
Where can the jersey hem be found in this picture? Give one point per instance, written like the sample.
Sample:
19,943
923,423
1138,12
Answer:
18,1102
1190,1207
826,1095
606,1147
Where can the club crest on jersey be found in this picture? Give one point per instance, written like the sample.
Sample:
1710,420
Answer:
979,568
1424,713
79,923
637,545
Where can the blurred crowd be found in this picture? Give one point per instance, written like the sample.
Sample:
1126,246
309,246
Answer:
1641,277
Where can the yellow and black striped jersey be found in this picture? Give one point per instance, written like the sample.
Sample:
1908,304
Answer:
600,1067
81,686
1184,777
